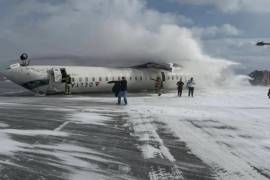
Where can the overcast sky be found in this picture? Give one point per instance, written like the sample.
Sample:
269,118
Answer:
137,30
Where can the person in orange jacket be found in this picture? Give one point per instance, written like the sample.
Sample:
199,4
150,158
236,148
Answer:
158,85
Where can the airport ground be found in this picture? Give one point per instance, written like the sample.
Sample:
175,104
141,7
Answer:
221,135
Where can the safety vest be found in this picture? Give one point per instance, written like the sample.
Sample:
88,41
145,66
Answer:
157,84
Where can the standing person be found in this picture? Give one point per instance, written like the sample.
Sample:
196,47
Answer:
180,85
116,87
68,85
123,91
158,85
190,85
268,94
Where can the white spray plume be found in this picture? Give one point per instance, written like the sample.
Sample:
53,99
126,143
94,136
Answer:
114,30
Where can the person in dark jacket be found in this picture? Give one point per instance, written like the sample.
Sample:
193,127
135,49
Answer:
180,85
115,88
68,85
123,91
268,94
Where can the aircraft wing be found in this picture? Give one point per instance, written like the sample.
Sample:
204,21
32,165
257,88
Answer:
166,67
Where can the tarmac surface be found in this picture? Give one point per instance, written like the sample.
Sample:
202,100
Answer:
79,137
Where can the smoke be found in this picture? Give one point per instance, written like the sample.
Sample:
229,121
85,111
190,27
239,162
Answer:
117,31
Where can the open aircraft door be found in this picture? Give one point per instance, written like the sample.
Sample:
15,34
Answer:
163,76
63,75
57,76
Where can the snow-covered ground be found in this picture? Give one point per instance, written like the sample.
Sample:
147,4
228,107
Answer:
228,130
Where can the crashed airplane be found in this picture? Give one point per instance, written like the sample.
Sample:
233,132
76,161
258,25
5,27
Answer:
52,79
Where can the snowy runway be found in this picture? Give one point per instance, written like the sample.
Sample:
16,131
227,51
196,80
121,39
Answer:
223,135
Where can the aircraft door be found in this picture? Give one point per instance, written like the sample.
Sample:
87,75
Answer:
163,76
66,79
63,75
57,76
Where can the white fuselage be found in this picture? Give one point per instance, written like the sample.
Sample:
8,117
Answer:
48,79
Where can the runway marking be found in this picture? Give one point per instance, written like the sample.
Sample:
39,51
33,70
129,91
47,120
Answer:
160,173
59,128
153,147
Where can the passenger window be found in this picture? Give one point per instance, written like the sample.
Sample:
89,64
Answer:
136,78
93,79
119,78
177,77
172,77
141,78
80,79
100,78
130,78
107,79
168,77
86,79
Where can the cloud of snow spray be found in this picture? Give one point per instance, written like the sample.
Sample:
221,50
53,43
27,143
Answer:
117,30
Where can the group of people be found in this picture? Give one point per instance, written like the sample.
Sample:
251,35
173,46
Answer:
120,88
190,85
180,86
